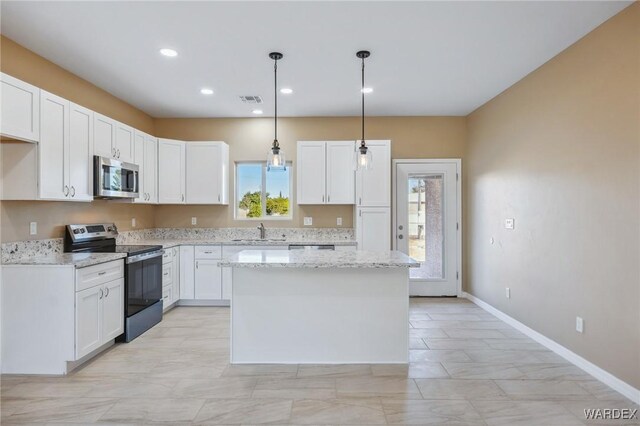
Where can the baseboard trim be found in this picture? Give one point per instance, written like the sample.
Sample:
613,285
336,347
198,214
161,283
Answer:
598,373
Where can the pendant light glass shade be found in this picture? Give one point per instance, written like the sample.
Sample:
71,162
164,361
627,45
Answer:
275,158
364,159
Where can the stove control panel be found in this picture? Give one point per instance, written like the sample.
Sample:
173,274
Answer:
92,231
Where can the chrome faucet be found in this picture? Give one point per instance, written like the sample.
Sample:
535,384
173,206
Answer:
262,231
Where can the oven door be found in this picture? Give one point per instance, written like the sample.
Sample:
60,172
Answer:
114,179
143,281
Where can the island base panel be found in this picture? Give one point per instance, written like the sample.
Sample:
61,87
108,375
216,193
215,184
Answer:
320,316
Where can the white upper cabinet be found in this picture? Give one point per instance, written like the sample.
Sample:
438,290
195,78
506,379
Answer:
171,171
113,139
151,168
80,159
146,157
325,172
207,171
310,172
124,143
340,172
54,148
373,186
64,151
20,109
104,134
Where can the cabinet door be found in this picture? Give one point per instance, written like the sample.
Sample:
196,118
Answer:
175,284
341,183
311,172
80,153
113,310
203,171
54,147
171,172
151,168
138,158
124,143
373,229
104,130
20,117
88,320
208,280
373,186
187,279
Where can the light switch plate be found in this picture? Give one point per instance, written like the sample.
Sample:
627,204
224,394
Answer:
33,228
194,220
308,221
339,221
579,324
133,222
509,223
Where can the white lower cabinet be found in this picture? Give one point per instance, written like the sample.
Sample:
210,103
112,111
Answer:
170,277
208,279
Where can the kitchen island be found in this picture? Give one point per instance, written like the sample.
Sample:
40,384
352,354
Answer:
319,307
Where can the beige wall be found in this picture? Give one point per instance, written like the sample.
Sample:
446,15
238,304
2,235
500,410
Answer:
15,216
250,139
560,152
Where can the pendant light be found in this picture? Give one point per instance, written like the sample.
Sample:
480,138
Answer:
275,159
363,153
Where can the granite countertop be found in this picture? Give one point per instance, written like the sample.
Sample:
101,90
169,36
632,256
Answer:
319,259
167,243
79,260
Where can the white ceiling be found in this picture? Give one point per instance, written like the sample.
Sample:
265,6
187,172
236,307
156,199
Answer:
428,58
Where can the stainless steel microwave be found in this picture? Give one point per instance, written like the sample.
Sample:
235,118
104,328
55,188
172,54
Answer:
114,178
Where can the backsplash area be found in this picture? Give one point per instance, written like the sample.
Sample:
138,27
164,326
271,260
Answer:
51,246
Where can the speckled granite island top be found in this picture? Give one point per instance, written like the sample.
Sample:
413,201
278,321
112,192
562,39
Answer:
167,243
319,259
79,260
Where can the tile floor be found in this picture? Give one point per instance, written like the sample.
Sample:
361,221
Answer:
467,368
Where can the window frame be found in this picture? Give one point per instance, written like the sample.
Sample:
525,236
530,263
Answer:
263,189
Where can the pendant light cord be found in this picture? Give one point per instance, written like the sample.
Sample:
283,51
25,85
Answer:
275,94
362,143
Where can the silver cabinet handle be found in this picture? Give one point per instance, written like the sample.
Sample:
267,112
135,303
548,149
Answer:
328,198
66,191
118,153
218,197
102,273
165,274
360,201
73,191
182,197
106,291
323,198
113,152
360,213
196,264
101,293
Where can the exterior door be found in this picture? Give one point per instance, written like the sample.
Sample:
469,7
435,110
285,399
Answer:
426,224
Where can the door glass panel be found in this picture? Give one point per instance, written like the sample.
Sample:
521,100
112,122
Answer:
426,225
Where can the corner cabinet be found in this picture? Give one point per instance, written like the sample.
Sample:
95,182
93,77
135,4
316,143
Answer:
20,109
325,172
207,173
171,171
193,172
146,157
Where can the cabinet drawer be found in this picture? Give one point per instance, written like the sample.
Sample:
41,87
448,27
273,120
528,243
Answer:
167,256
167,298
167,274
99,274
208,252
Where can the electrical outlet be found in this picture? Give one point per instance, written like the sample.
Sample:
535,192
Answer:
308,221
509,223
133,222
508,292
33,228
579,324
339,221
194,220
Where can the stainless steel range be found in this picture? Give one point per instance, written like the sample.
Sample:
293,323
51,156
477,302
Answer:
143,273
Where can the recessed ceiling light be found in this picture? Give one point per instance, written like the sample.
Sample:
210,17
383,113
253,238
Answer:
257,111
168,52
367,90
286,90
206,91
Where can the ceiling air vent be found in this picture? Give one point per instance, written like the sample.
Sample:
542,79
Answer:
251,99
